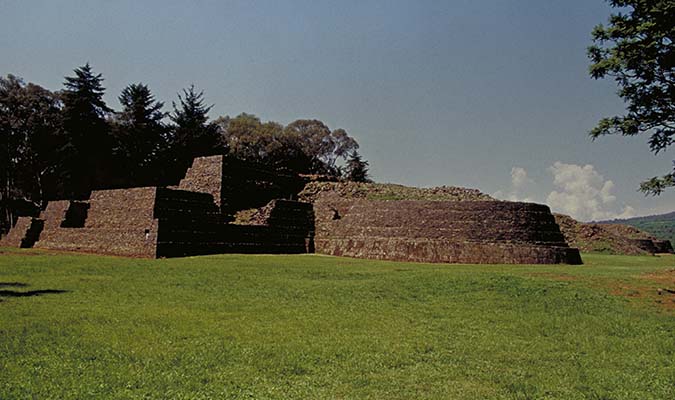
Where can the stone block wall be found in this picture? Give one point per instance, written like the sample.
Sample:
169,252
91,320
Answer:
193,218
161,222
180,240
287,214
205,175
17,233
237,185
118,222
286,229
440,231
246,185
647,245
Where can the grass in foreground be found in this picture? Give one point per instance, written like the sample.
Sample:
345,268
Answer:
234,326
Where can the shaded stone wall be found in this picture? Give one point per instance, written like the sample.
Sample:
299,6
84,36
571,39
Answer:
247,185
161,222
237,185
663,246
287,228
119,222
440,231
205,175
17,234
177,240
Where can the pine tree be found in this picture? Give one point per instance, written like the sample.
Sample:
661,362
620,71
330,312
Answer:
139,132
193,135
87,143
357,168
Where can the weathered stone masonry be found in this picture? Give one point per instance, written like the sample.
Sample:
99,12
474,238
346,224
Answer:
160,222
118,222
440,231
194,217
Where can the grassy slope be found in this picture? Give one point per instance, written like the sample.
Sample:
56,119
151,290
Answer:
661,229
662,226
321,327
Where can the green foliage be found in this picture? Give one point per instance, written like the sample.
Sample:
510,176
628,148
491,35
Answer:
357,168
662,226
29,122
65,144
323,146
304,146
140,111
250,139
140,134
637,50
193,134
83,94
87,144
285,327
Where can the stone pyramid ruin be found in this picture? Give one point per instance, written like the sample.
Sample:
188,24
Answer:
196,217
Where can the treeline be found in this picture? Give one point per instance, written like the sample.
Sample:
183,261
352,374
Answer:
66,143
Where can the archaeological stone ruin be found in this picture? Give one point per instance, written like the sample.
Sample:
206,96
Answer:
610,238
290,214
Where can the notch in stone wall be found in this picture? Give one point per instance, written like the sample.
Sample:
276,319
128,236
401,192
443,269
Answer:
248,185
76,215
33,233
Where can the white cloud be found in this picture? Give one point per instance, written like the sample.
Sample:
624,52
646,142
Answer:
519,185
580,191
519,178
584,194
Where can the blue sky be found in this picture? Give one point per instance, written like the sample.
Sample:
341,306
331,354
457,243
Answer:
487,94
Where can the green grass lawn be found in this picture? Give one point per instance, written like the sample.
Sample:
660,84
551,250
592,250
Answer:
241,326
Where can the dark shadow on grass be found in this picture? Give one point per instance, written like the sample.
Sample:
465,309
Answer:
30,293
15,284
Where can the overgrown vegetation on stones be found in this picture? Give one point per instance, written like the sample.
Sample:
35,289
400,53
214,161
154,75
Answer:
610,238
389,191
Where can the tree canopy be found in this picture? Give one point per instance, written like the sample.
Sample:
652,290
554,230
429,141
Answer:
139,130
304,146
323,146
356,169
637,50
56,145
193,134
29,120
86,141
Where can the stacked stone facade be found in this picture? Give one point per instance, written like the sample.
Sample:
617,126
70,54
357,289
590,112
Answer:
160,222
194,217
118,222
205,175
440,231
18,233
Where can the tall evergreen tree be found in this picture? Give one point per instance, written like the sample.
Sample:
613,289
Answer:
356,169
86,132
193,135
140,134
29,118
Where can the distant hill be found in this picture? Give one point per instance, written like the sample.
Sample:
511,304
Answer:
662,226
610,238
